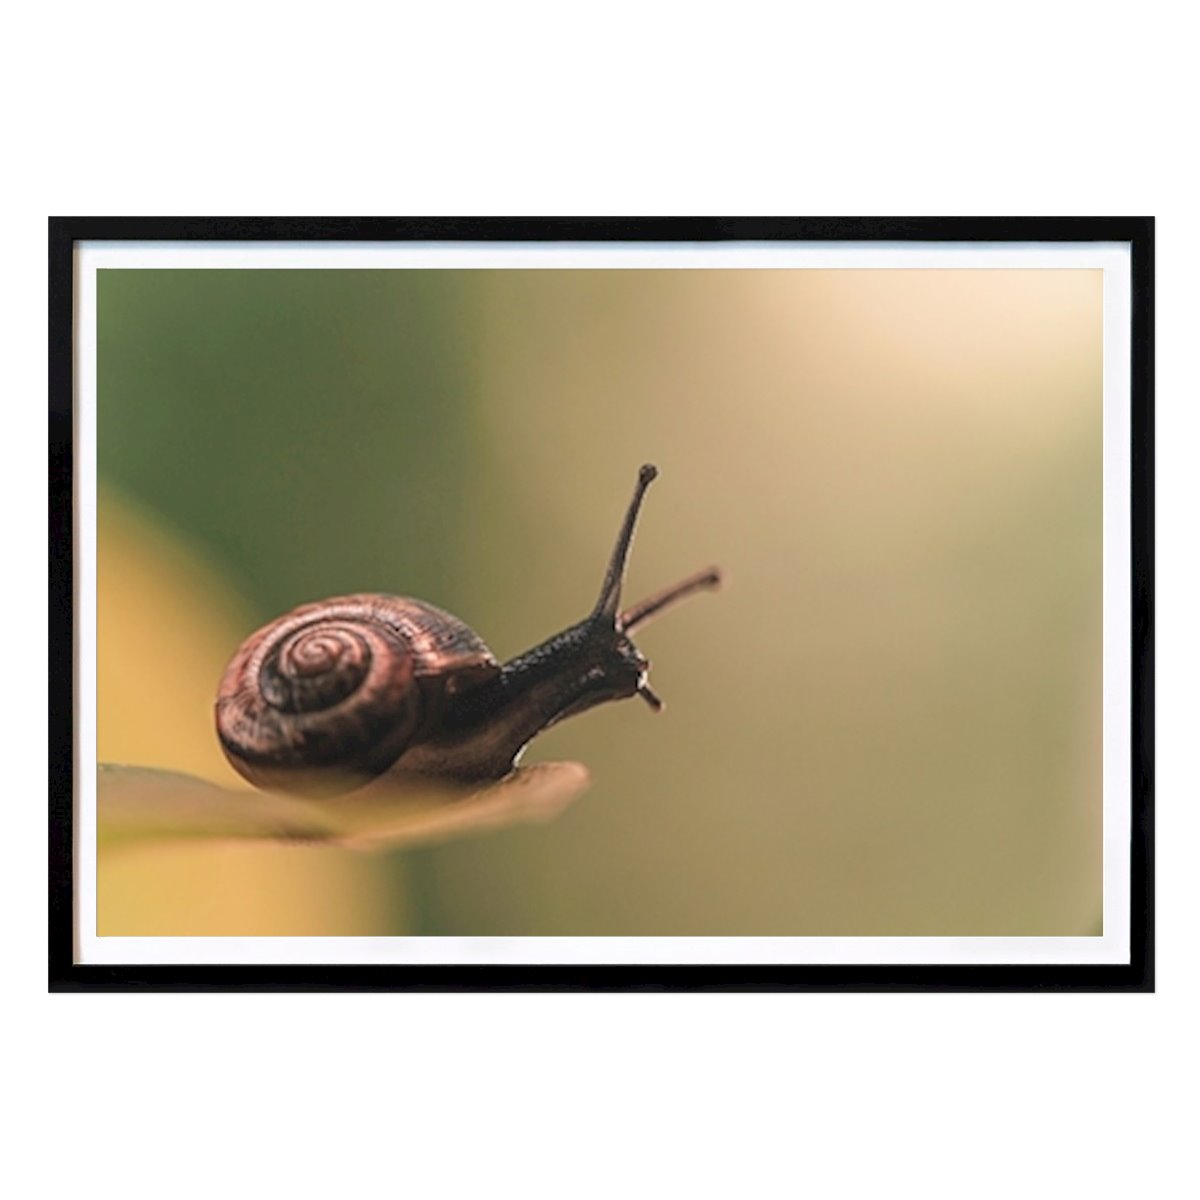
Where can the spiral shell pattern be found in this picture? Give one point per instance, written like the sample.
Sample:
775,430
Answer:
327,697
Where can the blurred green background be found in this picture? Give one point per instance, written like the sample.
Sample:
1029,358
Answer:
888,722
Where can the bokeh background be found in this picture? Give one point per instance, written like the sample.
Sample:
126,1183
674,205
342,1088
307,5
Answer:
888,722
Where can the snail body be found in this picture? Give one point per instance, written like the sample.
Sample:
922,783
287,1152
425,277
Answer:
335,694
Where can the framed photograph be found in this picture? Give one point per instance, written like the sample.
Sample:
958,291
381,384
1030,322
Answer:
351,681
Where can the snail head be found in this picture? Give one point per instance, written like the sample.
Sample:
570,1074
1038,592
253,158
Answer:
624,668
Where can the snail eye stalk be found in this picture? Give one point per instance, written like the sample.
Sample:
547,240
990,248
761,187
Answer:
638,614
614,577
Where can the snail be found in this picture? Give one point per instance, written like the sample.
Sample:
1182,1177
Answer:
336,694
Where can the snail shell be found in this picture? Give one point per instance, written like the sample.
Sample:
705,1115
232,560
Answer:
330,695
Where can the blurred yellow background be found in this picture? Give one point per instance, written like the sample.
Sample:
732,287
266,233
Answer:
888,722
167,620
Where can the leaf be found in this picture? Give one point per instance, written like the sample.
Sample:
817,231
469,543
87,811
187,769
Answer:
144,804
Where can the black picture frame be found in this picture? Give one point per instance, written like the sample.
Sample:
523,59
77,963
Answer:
66,974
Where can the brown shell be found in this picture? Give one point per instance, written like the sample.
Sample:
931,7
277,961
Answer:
331,694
